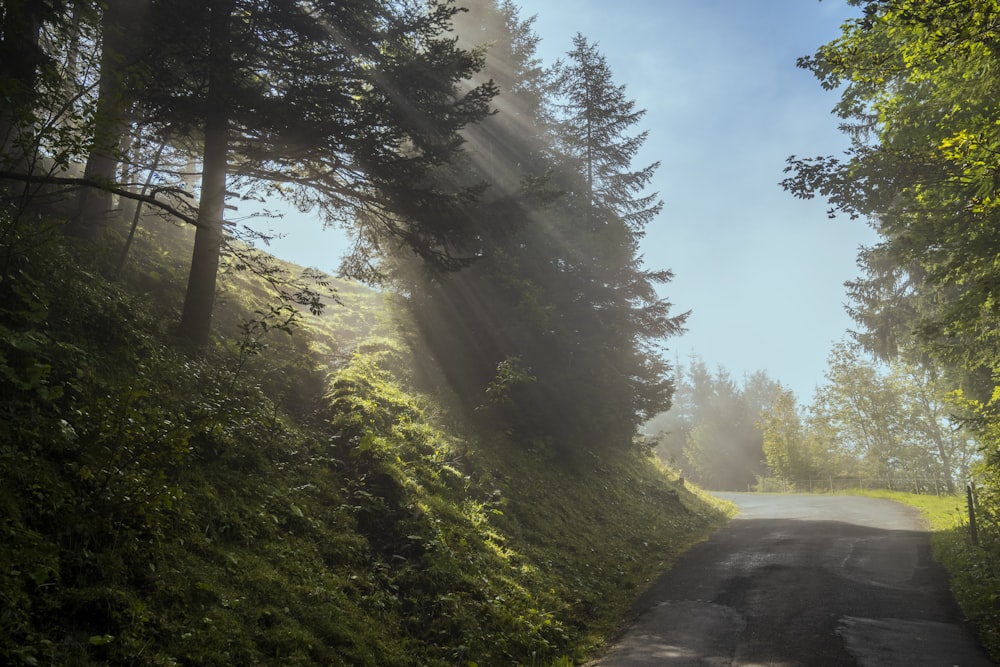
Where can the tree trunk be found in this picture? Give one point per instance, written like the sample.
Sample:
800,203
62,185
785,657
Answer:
128,174
20,57
136,210
199,301
946,463
95,206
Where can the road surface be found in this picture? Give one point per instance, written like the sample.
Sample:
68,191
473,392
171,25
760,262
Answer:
803,580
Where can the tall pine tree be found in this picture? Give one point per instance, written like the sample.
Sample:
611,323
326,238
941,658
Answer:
620,329
552,330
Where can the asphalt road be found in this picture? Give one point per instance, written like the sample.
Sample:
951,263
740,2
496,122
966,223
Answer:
803,580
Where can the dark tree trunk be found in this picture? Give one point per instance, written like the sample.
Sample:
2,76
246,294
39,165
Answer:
20,58
95,207
135,208
199,301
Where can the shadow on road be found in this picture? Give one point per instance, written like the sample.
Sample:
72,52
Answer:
792,591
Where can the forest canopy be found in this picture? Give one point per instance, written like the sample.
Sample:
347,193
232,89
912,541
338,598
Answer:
521,272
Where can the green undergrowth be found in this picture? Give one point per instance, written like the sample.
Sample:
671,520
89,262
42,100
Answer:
974,568
284,498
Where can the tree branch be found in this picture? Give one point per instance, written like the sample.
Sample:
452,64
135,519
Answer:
107,187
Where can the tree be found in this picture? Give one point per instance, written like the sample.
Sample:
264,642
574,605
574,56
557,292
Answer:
922,169
948,449
726,445
200,296
712,430
672,428
46,105
893,421
373,90
473,321
622,322
924,137
23,60
595,118
123,28
78,116
554,309
786,449
340,107
865,410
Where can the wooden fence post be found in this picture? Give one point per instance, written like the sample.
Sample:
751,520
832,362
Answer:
970,496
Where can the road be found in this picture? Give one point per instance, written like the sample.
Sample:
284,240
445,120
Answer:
803,580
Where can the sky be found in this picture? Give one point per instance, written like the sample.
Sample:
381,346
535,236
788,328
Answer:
761,272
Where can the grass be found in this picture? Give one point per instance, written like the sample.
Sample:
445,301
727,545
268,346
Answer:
288,499
942,513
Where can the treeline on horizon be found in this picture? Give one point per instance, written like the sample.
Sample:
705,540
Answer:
495,196
869,425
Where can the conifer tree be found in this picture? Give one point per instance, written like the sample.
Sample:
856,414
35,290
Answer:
124,30
22,63
336,107
471,320
619,333
552,329
596,117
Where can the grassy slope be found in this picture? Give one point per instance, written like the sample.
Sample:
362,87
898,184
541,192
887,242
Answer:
299,503
975,572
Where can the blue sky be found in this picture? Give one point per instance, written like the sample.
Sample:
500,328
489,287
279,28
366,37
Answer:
761,272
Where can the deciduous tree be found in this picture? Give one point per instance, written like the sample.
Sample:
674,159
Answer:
919,83
785,445
893,420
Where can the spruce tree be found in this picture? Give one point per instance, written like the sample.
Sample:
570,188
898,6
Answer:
125,29
619,326
552,330
469,319
340,107
595,119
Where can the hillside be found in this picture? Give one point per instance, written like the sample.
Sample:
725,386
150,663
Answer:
295,494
